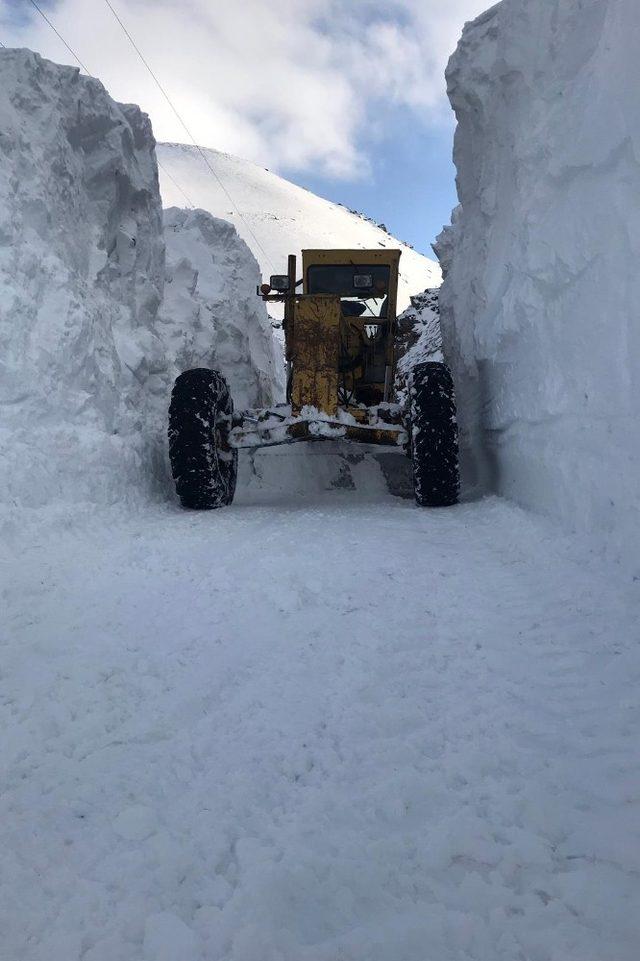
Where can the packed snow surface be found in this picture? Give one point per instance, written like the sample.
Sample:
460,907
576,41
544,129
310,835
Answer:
540,301
316,727
277,218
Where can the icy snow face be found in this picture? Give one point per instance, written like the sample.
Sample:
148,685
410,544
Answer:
283,218
211,316
541,291
419,336
81,274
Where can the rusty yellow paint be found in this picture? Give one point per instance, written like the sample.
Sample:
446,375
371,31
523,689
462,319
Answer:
315,353
368,435
390,257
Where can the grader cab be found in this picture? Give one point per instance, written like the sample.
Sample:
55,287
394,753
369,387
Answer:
340,331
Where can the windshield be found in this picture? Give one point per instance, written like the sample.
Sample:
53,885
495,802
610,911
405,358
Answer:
362,288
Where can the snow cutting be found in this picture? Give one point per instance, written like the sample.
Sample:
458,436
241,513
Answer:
342,346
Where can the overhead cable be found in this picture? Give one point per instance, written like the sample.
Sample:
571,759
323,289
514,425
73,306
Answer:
89,74
188,132
60,37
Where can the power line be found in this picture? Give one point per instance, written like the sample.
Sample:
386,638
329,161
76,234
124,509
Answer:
60,37
89,74
188,132
175,183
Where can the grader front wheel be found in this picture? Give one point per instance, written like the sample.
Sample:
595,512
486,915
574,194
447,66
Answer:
203,465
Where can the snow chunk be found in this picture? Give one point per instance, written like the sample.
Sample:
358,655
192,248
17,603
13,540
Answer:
541,291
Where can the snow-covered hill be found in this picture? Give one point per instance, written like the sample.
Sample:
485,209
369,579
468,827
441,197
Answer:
284,218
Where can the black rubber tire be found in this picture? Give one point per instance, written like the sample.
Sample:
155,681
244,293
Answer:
434,436
204,467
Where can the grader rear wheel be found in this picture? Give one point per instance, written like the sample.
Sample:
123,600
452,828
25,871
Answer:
434,436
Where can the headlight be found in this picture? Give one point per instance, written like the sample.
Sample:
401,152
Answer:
279,282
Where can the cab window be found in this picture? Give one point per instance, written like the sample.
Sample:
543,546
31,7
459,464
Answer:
363,288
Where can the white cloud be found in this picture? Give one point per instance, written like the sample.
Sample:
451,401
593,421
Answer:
292,84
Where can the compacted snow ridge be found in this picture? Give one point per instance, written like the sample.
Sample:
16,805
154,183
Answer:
541,293
316,727
284,218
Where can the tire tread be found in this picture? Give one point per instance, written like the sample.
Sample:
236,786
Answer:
434,436
204,478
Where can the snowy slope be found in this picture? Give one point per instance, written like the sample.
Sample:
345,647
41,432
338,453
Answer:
541,294
283,217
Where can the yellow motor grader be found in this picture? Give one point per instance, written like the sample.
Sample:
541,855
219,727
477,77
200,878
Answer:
341,347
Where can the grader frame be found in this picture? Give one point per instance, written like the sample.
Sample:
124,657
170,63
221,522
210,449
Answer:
339,351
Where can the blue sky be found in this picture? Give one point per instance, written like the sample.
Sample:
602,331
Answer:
411,187
344,97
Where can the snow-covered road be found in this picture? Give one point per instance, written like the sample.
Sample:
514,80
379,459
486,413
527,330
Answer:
330,729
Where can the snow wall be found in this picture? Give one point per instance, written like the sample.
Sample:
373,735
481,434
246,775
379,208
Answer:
210,315
88,348
541,295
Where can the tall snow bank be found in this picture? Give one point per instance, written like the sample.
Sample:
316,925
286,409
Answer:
211,316
542,291
86,360
81,274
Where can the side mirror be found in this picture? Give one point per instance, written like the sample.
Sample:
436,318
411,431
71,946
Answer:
279,282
